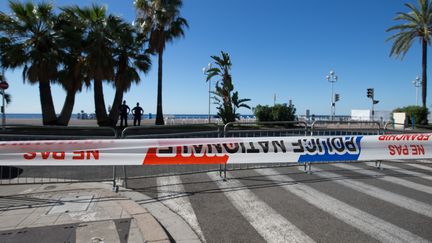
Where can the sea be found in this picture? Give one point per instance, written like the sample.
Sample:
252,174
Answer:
145,116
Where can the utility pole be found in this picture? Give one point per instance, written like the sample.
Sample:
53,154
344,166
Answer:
332,78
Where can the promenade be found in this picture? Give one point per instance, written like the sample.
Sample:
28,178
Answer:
82,213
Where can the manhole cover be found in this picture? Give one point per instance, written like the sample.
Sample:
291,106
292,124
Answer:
70,204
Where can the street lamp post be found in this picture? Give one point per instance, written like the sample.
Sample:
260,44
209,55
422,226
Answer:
332,78
417,82
3,107
205,70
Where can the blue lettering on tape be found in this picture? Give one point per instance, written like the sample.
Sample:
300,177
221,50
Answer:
328,149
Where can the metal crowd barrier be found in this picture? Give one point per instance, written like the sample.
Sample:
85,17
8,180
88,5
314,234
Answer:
331,128
55,174
168,131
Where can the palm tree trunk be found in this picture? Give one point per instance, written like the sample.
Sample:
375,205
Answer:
66,112
101,114
115,112
159,113
424,68
48,112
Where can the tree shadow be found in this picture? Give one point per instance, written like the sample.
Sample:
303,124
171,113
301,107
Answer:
9,172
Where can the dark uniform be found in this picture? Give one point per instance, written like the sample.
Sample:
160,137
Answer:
124,111
137,112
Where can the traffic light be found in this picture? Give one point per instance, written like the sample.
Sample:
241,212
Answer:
337,97
370,93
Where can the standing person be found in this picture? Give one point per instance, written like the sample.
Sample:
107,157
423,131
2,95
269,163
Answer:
137,112
124,111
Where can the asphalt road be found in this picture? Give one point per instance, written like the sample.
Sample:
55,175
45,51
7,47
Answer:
336,203
357,203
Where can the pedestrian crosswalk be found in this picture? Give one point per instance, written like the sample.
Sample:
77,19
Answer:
375,227
381,176
269,224
355,198
172,194
393,198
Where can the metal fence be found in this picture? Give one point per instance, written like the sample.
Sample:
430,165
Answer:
52,174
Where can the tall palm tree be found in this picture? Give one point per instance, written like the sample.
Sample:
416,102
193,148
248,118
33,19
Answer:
160,18
130,57
227,100
98,51
7,97
73,75
417,24
28,41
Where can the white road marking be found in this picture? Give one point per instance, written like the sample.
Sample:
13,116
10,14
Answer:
172,194
266,221
424,161
404,171
390,197
388,178
423,167
367,223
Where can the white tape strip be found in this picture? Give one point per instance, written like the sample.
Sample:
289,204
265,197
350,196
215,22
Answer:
216,150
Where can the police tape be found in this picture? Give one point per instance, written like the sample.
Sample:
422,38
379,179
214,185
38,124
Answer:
215,150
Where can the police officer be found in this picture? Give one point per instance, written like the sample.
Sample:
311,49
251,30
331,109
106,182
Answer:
137,112
124,111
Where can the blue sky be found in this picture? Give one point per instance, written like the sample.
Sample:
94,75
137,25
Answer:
282,47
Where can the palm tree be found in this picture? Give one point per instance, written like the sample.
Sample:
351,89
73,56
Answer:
417,24
7,97
28,40
130,57
228,102
98,51
160,18
73,75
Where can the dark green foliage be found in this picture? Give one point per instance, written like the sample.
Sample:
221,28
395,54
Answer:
416,25
77,47
162,20
420,114
277,112
28,41
227,100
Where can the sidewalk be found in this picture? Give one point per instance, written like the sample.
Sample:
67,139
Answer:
76,212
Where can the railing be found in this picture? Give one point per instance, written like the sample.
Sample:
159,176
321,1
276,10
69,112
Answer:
331,128
54,174
20,132
33,174
265,129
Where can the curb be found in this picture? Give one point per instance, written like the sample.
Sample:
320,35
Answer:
177,228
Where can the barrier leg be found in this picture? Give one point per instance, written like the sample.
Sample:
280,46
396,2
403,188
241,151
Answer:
115,186
220,170
225,169
124,177
309,168
378,164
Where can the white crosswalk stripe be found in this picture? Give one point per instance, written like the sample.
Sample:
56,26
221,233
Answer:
266,221
404,171
384,177
423,167
375,227
172,194
393,198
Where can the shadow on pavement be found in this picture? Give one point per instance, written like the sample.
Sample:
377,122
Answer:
9,172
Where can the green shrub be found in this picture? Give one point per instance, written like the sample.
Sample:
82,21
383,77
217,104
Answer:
275,113
420,114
